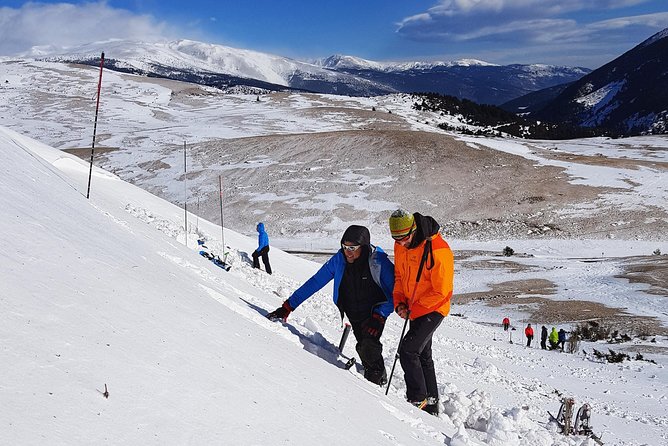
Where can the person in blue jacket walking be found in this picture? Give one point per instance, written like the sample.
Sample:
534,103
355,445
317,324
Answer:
262,249
363,283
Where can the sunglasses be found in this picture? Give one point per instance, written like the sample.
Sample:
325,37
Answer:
350,248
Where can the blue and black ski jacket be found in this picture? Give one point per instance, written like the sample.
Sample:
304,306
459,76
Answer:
382,272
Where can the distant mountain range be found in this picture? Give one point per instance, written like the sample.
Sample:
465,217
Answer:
628,96
226,67
470,79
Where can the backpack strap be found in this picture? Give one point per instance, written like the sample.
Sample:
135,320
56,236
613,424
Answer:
427,256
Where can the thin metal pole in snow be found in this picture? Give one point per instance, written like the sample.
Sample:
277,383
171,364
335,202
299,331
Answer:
185,191
97,108
197,217
222,229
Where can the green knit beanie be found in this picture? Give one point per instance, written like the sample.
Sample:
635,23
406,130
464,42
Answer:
401,224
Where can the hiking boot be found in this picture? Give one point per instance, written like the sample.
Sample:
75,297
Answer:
421,404
376,376
432,406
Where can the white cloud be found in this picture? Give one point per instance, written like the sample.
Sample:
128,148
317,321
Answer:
504,26
462,20
64,24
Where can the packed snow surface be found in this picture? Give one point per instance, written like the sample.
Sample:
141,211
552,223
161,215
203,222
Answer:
110,295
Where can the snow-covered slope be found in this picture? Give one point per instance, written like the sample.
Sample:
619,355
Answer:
110,294
95,298
628,95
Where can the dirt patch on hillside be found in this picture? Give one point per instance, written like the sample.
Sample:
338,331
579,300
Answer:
602,160
652,270
363,175
84,153
154,165
526,296
501,264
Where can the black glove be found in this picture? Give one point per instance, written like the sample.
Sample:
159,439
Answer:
402,310
281,313
374,325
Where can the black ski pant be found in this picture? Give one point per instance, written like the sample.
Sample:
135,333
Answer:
370,351
529,339
543,343
264,252
416,360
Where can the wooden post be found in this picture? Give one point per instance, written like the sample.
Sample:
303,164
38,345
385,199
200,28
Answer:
569,404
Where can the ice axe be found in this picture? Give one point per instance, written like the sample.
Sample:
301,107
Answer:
344,337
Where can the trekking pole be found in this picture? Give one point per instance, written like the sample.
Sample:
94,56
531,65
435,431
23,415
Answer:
396,355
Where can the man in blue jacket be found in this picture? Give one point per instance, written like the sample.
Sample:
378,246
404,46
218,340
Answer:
363,284
262,249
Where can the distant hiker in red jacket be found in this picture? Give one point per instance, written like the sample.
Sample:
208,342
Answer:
528,332
506,324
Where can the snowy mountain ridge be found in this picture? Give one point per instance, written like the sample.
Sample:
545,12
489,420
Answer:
226,67
656,37
627,95
190,55
339,61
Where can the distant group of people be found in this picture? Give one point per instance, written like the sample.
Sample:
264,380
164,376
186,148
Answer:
368,288
556,339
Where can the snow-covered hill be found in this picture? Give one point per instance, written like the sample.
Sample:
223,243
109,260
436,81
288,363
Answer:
222,66
215,65
104,295
110,294
627,95
309,164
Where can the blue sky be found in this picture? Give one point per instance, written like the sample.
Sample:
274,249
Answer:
585,33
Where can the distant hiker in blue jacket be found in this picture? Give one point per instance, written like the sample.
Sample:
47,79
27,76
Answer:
363,283
562,339
262,249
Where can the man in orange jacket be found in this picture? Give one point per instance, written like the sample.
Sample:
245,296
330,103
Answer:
423,283
528,332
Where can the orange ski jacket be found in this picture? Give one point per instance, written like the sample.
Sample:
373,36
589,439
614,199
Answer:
434,291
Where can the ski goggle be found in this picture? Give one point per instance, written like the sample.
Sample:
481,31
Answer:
350,248
404,238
